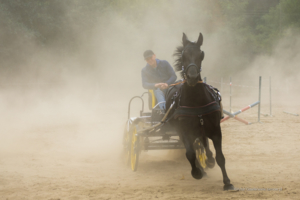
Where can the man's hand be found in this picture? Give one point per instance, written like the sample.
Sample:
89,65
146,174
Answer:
157,85
161,86
164,86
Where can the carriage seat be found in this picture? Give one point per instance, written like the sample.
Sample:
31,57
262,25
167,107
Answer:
151,103
151,99
155,113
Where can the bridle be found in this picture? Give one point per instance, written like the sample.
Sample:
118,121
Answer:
185,69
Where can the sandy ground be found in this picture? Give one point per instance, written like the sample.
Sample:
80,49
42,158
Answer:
80,158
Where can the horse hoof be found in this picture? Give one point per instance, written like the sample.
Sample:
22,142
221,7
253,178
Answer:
197,173
228,187
210,163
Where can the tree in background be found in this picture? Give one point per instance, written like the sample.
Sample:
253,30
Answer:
66,25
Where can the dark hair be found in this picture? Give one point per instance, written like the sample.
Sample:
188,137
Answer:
148,53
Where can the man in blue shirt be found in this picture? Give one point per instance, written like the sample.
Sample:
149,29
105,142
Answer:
157,75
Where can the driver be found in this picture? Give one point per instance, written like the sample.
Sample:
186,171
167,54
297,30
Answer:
157,75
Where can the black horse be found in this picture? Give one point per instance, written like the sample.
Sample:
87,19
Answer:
197,112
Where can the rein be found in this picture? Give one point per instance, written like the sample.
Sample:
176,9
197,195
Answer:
182,82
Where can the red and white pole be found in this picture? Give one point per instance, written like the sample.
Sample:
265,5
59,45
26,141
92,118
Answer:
246,108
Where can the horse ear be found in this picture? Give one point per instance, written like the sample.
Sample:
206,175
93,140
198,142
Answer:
184,39
200,40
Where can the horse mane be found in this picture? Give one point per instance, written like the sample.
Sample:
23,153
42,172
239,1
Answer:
178,61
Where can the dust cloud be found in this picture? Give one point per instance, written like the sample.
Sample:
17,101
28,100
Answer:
94,81
91,84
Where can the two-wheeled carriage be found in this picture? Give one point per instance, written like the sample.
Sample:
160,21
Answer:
150,132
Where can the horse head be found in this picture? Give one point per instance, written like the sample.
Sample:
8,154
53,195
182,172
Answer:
190,58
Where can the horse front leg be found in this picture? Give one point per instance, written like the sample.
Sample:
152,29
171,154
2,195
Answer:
217,141
197,172
210,162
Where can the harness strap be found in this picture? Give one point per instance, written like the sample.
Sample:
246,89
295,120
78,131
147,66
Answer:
202,131
191,111
201,120
196,111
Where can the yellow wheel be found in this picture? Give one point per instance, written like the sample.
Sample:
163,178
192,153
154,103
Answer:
201,154
134,149
202,158
126,145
